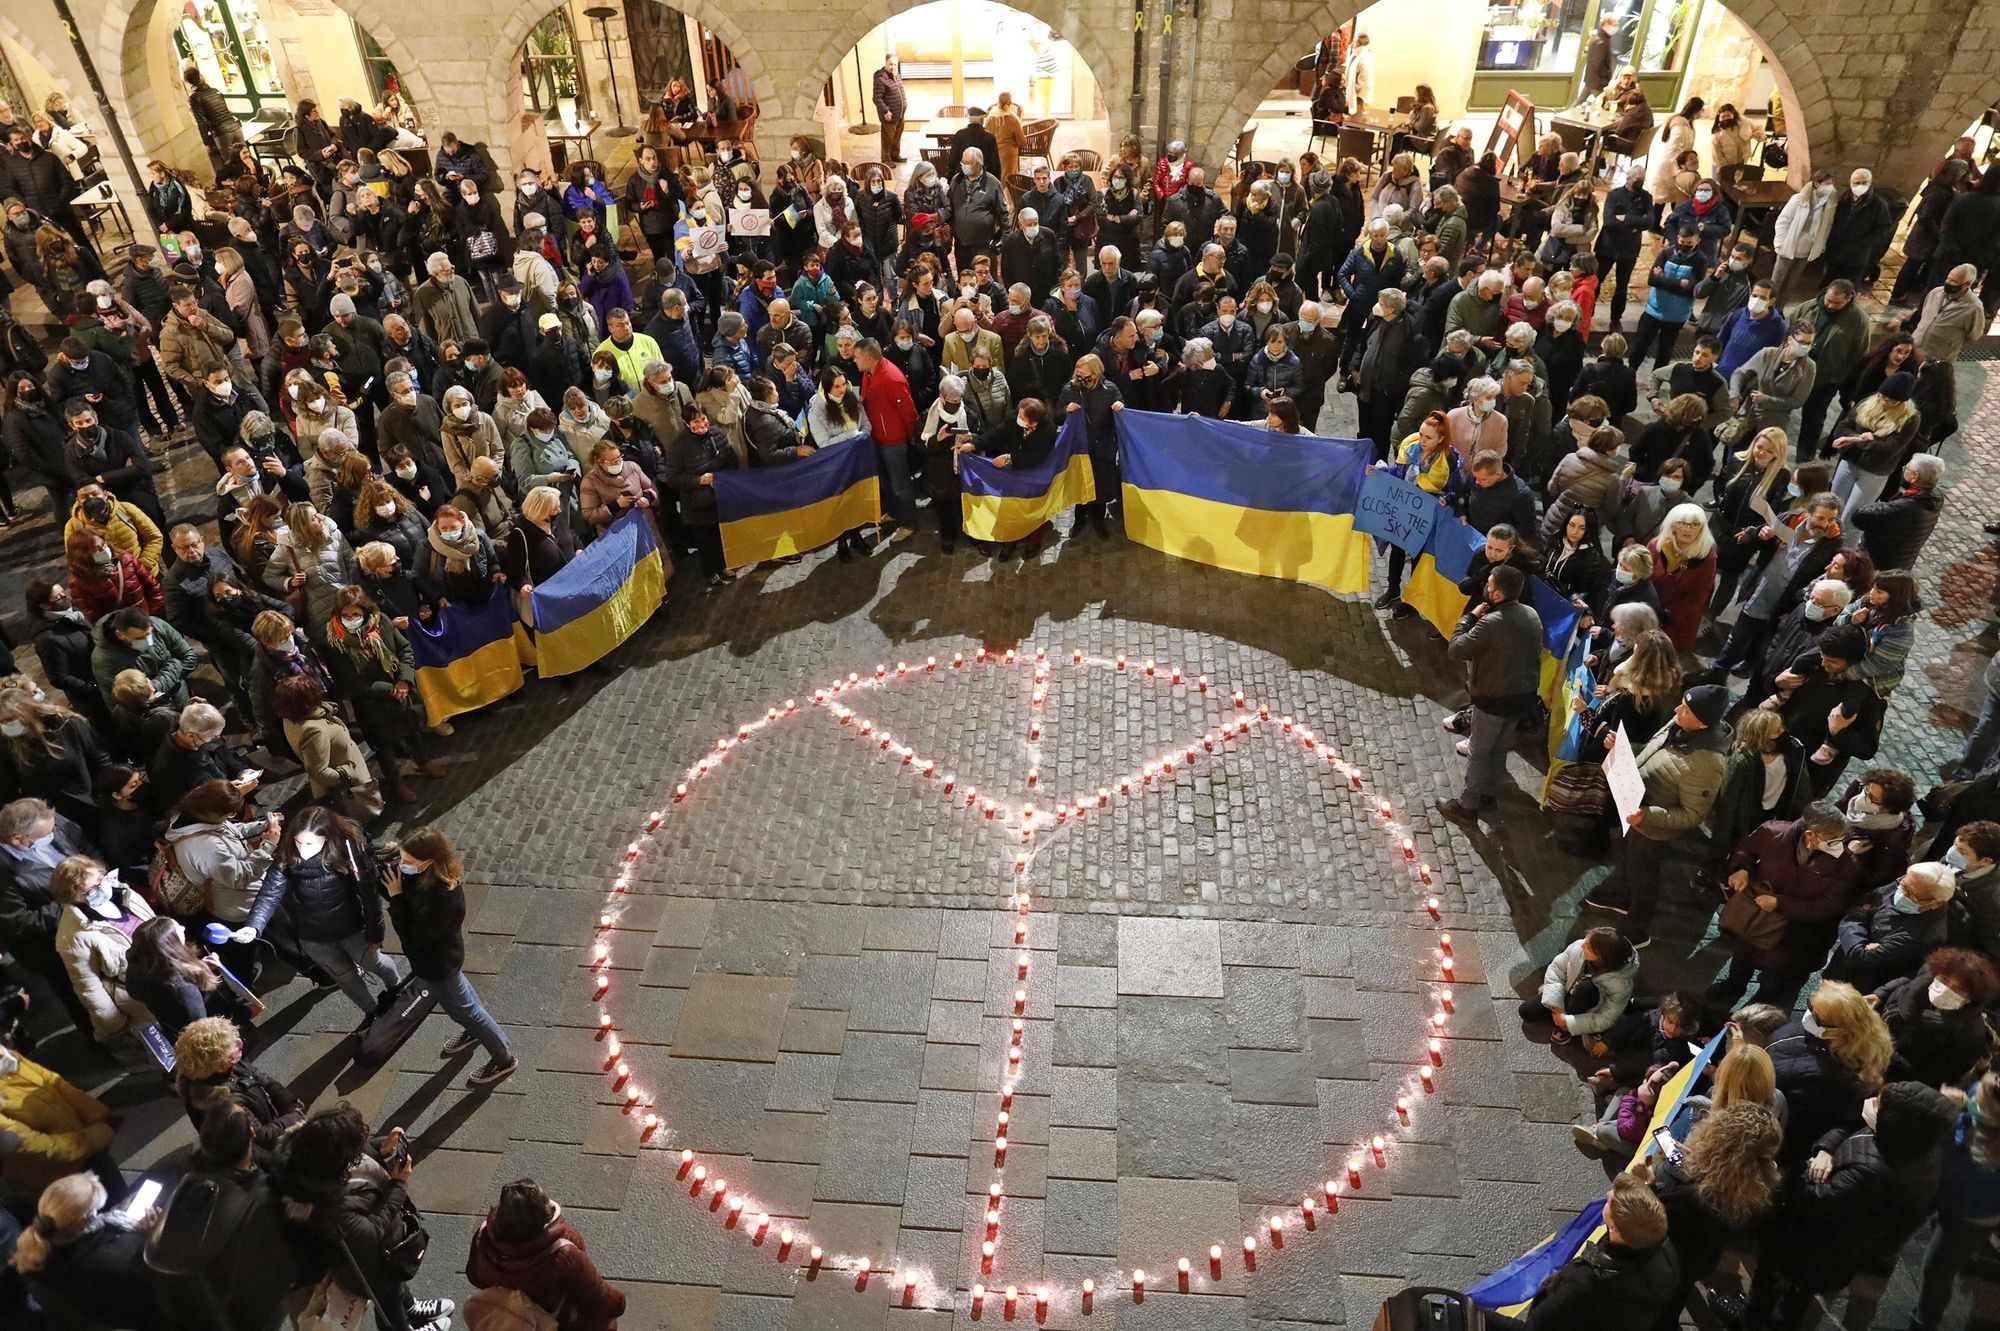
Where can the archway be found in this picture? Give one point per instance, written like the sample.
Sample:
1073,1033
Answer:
303,51
963,53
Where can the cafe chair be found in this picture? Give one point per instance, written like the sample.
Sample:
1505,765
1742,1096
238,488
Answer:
1356,143
1323,130
1088,159
1038,137
956,111
1406,104
1241,152
1575,138
858,171
940,158
1019,183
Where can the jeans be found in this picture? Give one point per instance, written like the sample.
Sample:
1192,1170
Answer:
1656,335
1745,644
902,497
1854,486
345,958
1954,1244
462,1005
1492,736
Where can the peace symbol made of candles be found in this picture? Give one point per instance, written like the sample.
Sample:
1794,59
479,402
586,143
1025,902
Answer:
1026,823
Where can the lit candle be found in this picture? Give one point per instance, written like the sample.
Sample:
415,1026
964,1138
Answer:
1277,1231
978,1298
1177,674
1431,905
1021,932
631,1097
957,659
1002,1125
982,653
1332,1191
1444,967
1202,683
1354,779
1353,1171
994,1192
603,1021
1020,864
1138,1284
986,1256
861,1270
652,1125
1034,732
1215,1260
604,920
624,1074
1020,1000
1010,656
1150,668
603,984
1409,849
1250,1252
735,1211
1019,1026
1444,1000
784,1244
700,1177
1034,776
1124,785
1263,711
791,705
1000,1143
992,1220
816,1257
721,1191
881,670
1437,1052
930,663
1309,1212
1381,1159
1429,1081
1041,1303
1089,1294
909,1288
1103,797
1010,1298
1424,872
1444,944
1182,1268
1238,699
687,1161
1403,1109
1383,808
757,1231
1121,661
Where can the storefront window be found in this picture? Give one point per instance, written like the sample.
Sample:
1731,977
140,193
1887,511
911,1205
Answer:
1669,33
552,71
1535,35
227,42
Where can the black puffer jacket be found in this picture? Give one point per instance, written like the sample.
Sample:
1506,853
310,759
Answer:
1821,1095
1933,1047
350,1224
430,923
325,903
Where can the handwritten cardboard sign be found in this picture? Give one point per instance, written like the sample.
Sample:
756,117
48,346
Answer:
1398,511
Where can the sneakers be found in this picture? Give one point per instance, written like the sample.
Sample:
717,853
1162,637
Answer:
432,1310
1388,600
1463,748
458,1044
1560,1036
1586,1140
442,729
1454,722
493,1072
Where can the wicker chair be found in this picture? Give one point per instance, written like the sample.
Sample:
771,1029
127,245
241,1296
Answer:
1088,158
1038,137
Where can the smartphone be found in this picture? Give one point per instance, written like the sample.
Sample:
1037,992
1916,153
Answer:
142,1198
1669,1146
250,774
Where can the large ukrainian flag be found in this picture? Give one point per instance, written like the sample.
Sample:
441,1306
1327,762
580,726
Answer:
1432,586
1512,1288
1241,497
772,512
467,658
1004,504
601,597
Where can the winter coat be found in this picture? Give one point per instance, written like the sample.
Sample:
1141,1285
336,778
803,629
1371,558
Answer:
1803,224
55,1126
1785,386
1877,943
1682,770
1608,1285
1739,804
189,350
98,589
1859,234
327,570
1896,529
429,916
1811,896
219,858
100,1278
1820,1092
551,1268
327,899
1683,594
1614,990
1824,1234
167,661
93,952
1932,1046
1500,651
465,441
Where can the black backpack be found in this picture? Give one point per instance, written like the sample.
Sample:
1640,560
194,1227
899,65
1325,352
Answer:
224,1255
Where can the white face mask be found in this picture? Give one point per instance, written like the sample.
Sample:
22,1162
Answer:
1858,190
352,623
317,406
1265,306
463,411
1031,231
309,844
385,510
407,470
1759,307
1737,265
1704,195
969,169
1175,242
611,468
1945,998
1563,325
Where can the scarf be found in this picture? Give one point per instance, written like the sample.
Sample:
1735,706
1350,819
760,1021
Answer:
1700,208
457,558
364,645
836,207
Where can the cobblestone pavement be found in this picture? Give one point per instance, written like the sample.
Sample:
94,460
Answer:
814,972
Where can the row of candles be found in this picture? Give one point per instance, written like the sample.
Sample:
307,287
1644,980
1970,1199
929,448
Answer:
732,1205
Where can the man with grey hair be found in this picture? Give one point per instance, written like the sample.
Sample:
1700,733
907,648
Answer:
1863,224
1315,339
1394,350
195,752
413,419
1895,529
1110,286
1524,401
976,208
1207,269
1032,254
662,401
1451,225
1478,310
443,303
1796,634
1950,316
405,340
1372,267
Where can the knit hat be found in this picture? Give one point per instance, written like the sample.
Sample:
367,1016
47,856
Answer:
548,321
1319,182
1898,386
341,304
534,221
1708,702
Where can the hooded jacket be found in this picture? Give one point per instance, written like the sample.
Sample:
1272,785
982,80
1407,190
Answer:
1614,989
551,1268
220,856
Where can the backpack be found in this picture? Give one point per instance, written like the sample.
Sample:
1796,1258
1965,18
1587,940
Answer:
219,1246
498,1308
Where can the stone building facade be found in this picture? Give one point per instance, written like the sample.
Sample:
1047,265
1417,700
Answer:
1882,83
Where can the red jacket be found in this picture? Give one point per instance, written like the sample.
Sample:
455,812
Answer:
1683,594
98,589
552,1269
892,412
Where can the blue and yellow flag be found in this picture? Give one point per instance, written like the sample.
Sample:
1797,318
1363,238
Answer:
1514,1286
467,657
1240,497
1008,503
1559,617
601,597
772,512
1432,587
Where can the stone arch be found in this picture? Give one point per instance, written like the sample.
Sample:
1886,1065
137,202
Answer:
50,64
1112,75
1800,76
154,117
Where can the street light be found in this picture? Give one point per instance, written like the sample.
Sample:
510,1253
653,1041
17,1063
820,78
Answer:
600,14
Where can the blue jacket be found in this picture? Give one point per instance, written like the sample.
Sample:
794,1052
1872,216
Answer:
1713,225
1671,299
740,357
1743,337
678,347
1362,276
754,306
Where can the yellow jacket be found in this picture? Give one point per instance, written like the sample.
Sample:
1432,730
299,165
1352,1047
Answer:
57,1125
129,530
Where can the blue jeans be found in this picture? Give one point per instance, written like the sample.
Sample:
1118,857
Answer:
345,958
456,997
1984,739
901,501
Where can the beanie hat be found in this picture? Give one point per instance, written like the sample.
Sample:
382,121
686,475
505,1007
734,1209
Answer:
1898,386
1708,702
341,304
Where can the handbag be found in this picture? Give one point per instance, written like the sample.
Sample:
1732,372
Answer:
481,245
361,800
402,1255
170,891
1579,788
1743,918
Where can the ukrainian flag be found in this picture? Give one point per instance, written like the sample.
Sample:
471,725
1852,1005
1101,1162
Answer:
1559,617
1004,504
772,512
1566,717
1432,587
1514,1286
467,657
1240,497
601,597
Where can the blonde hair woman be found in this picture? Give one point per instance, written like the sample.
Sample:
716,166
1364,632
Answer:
1761,475
1726,1181
1871,440
1683,571
1828,1062
86,1259
241,292
1640,695
93,934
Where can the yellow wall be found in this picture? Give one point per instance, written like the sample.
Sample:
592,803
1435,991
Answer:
1436,44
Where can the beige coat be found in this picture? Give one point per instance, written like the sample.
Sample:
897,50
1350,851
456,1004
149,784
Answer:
332,759
1006,129
466,440
189,351
93,952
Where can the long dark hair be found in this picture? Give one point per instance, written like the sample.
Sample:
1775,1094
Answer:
339,831
159,955
848,405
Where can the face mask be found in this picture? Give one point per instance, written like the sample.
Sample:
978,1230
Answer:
1156,335
1284,177
1626,577
1836,847
1792,490
1816,612
1759,307
982,372
1704,195
1943,997
463,411
1226,320
1118,182
1955,288
352,623
309,845
1957,860
611,468
1737,265
453,536
100,896
1903,905
1858,190
101,556
1031,231
905,343
1792,352
1265,306
541,436
12,729
1812,1025
1563,325
1022,422
1670,485
969,169
1484,407
408,870
1175,242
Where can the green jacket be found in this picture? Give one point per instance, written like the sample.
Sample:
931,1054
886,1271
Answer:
167,660
1842,338
1682,771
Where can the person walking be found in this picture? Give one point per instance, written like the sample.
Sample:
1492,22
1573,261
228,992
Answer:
321,884
1499,645
1682,766
428,908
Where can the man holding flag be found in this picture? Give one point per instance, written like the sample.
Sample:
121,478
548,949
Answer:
1024,442
1628,1279
892,420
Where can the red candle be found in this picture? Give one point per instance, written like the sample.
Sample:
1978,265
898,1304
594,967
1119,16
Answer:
1309,1212
1277,1231
1238,699
1182,1268
1354,1171
1429,1081
784,1244
687,1162
1202,683
1250,1252
1381,1159
1012,1296
1215,1260
1444,944
1432,904
1403,1109
816,1257
1332,1191
1121,660
1437,1052
1089,1295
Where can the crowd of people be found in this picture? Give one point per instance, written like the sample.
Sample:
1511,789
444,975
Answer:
422,382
